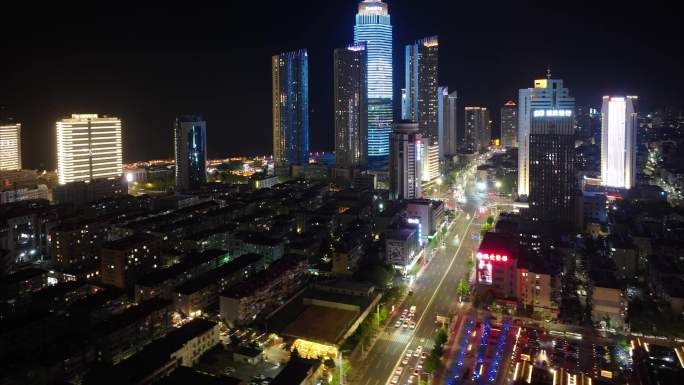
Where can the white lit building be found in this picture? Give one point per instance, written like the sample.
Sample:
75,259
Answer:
88,147
405,161
431,159
547,94
618,141
10,146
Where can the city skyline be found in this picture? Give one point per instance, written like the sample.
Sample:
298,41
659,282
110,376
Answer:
137,66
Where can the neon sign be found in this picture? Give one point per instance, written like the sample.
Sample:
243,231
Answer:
492,257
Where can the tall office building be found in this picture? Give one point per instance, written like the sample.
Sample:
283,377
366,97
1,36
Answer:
10,146
477,129
422,74
547,94
430,160
509,124
190,139
374,28
88,147
290,108
405,161
618,141
351,107
552,165
447,121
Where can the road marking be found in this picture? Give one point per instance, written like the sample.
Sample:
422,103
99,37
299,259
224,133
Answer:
439,286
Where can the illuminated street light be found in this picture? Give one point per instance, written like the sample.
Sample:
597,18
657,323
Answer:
497,184
481,186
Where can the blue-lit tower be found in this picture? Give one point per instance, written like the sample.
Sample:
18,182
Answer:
290,108
373,28
190,137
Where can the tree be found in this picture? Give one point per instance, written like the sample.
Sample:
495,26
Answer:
463,289
329,363
295,353
490,221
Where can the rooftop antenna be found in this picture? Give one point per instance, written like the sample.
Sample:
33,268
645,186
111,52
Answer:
548,71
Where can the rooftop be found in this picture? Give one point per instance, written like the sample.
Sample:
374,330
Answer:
22,275
321,324
295,372
257,238
242,262
190,261
399,234
275,269
186,376
127,243
132,315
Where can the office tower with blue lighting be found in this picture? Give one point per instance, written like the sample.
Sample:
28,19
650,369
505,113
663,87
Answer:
351,107
374,28
547,94
290,72
422,74
618,141
190,139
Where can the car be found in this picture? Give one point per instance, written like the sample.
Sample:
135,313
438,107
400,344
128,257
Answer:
419,366
423,355
395,379
404,325
397,324
412,325
409,353
229,370
418,350
399,370
405,361
416,372
411,379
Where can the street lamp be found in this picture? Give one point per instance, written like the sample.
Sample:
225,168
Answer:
497,184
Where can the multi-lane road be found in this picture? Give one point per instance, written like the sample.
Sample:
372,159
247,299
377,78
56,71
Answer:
434,293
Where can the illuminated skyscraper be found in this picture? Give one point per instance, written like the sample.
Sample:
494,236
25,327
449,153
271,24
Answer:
477,131
509,124
373,27
447,121
405,161
552,165
190,139
10,146
290,108
422,74
618,141
547,94
351,107
88,147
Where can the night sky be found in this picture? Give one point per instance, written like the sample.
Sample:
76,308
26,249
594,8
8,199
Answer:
148,63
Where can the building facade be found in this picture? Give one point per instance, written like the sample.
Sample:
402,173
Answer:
422,74
88,147
447,122
351,106
509,124
405,163
374,28
477,130
547,94
290,72
190,139
618,141
552,165
430,160
10,146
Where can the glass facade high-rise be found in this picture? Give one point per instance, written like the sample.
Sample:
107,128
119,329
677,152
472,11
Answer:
10,146
509,124
547,94
552,165
373,27
422,75
618,142
88,148
447,121
290,72
190,139
477,129
351,107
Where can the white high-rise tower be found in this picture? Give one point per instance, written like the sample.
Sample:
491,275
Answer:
618,141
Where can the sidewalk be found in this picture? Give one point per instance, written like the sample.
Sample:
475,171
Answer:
449,350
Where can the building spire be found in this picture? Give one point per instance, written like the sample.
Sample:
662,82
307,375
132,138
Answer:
548,71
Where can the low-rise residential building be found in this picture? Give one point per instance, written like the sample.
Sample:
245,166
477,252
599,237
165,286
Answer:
247,355
180,347
537,290
126,260
246,242
160,283
263,181
201,294
427,214
127,332
264,292
608,303
299,371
